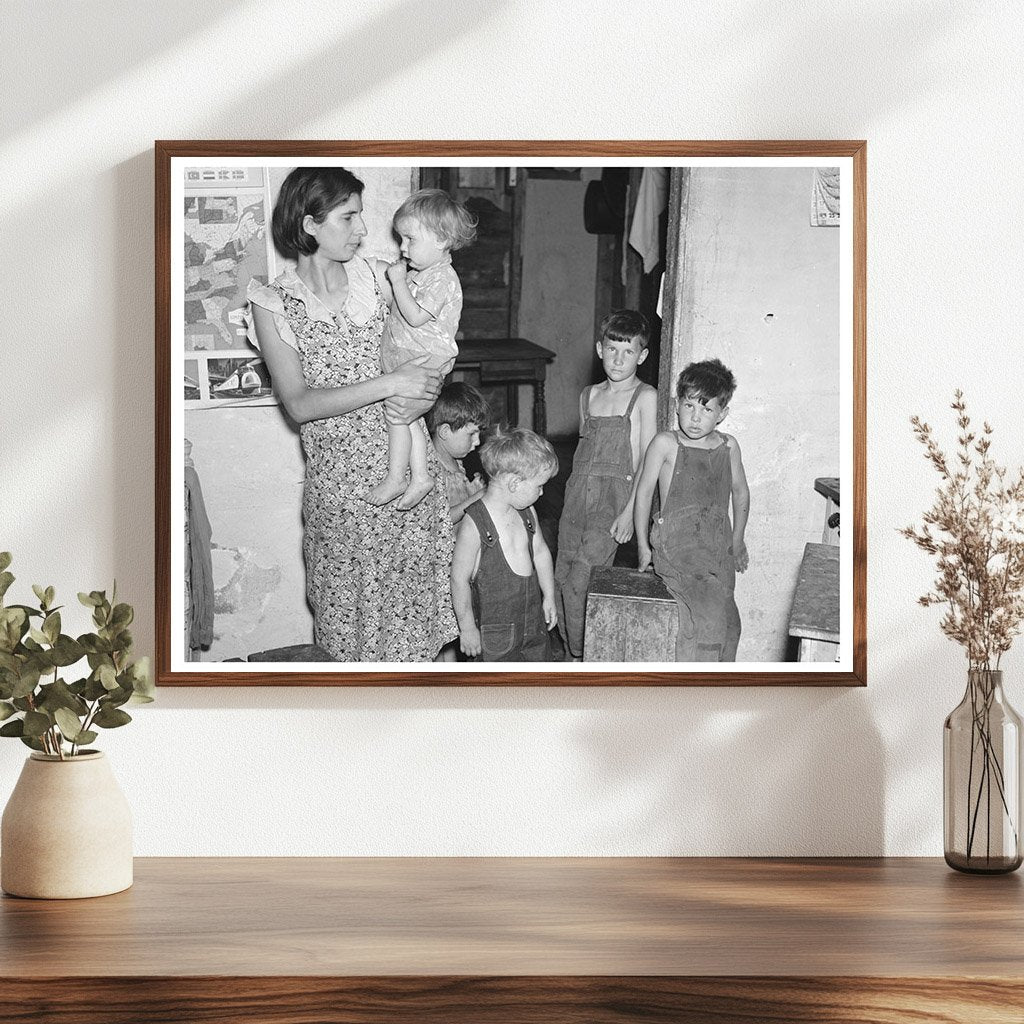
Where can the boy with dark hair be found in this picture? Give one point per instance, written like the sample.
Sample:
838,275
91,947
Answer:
455,422
695,549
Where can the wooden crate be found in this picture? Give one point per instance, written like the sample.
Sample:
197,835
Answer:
630,617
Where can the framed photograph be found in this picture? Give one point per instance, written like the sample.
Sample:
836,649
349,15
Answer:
645,464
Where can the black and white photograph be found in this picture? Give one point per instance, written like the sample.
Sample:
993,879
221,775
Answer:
582,418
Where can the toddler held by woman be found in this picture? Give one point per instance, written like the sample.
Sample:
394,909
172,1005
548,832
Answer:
425,310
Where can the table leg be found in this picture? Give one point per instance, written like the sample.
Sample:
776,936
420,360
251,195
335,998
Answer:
540,410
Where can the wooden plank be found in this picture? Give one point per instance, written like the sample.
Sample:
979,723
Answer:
815,611
512,1000
828,486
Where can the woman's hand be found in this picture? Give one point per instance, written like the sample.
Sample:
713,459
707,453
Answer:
413,380
411,384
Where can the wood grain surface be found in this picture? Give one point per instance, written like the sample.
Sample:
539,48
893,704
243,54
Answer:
588,940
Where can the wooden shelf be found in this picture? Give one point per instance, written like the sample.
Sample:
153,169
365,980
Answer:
573,941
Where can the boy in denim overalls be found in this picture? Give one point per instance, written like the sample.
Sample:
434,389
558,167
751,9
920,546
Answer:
503,586
617,422
696,550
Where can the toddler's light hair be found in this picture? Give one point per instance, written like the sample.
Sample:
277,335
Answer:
706,380
519,451
449,220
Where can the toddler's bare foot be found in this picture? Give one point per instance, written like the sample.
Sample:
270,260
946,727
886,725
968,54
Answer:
415,493
387,490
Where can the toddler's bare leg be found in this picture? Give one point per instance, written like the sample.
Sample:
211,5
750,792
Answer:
394,484
420,482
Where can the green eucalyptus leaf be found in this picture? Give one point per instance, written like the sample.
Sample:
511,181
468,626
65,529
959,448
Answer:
30,645
107,676
58,695
142,680
66,651
51,626
13,624
50,595
111,718
115,698
9,663
27,681
86,736
97,645
5,559
89,600
36,723
28,610
39,636
40,593
15,728
69,724
6,579
23,703
31,741
122,615
6,710
94,689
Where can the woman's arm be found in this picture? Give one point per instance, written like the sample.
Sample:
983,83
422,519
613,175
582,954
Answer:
467,551
303,403
545,573
740,505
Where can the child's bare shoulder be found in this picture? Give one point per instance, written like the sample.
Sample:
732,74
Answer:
729,441
647,397
662,444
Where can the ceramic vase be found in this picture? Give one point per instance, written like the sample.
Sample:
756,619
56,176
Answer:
66,830
981,776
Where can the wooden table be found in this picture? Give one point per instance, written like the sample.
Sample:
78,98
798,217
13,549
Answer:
572,941
814,615
507,363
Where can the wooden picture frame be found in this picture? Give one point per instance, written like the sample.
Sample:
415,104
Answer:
731,215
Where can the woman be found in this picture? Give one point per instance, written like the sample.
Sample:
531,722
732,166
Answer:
377,579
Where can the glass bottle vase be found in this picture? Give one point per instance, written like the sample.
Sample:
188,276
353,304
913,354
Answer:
981,748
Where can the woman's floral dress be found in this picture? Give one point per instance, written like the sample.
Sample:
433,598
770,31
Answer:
378,579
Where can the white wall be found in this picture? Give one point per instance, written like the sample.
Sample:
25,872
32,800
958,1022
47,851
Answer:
935,88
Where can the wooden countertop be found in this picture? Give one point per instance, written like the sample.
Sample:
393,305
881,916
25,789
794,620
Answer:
458,939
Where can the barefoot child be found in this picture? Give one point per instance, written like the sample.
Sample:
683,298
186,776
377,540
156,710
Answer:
696,551
503,585
455,422
425,309
617,422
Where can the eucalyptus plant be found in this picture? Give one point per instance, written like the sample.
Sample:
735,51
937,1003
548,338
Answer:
45,711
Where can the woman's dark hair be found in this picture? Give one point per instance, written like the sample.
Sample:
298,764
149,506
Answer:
313,192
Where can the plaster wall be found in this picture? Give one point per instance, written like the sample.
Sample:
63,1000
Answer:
449,770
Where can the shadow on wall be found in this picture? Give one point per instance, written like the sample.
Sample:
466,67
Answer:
689,760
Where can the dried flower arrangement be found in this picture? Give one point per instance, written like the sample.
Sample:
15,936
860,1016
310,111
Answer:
975,528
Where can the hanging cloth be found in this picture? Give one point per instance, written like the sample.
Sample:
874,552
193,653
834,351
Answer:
651,202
